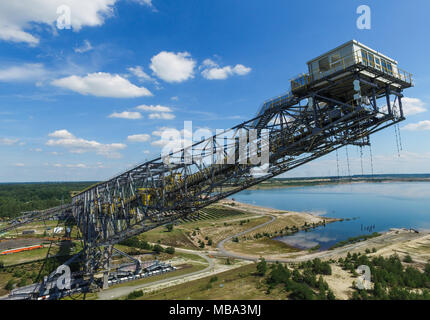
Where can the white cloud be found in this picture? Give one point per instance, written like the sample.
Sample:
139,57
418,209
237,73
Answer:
19,165
78,165
146,3
173,67
156,108
212,71
25,72
139,138
162,115
65,139
102,84
138,72
158,112
413,106
61,134
126,115
420,126
85,47
17,18
209,63
8,142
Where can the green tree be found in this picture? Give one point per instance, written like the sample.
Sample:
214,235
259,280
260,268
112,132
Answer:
330,295
262,267
169,227
170,250
158,249
408,259
10,284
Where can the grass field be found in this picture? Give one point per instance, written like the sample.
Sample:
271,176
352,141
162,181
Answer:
261,247
215,222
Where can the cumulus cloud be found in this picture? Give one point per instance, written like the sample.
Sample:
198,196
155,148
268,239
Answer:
419,126
162,115
102,84
212,71
139,138
84,48
24,72
173,67
65,139
413,106
126,115
17,18
152,108
158,112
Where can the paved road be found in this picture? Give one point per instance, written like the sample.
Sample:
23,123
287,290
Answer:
115,293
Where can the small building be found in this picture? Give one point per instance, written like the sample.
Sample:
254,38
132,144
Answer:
340,60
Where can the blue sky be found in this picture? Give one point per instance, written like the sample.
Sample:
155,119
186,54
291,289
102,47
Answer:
87,102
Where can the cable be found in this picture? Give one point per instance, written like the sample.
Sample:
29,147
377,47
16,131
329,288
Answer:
347,160
371,159
337,162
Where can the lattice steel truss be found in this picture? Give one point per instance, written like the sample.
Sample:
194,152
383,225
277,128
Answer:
321,117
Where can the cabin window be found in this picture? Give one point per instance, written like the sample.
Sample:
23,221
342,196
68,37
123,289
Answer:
370,57
384,65
364,56
378,63
324,65
390,68
336,60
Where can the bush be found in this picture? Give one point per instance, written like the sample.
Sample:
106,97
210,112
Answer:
22,282
169,227
1,265
214,279
158,249
170,250
202,245
10,284
209,242
262,267
408,259
135,294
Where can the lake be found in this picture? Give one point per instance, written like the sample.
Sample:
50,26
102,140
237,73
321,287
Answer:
376,207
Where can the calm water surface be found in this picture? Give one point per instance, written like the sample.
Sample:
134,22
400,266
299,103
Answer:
376,207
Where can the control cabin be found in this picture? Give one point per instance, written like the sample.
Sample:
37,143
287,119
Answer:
347,59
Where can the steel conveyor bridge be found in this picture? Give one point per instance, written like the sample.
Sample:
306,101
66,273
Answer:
315,118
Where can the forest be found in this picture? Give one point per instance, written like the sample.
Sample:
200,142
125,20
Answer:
19,197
